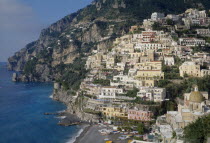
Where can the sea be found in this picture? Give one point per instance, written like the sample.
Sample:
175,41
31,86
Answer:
22,108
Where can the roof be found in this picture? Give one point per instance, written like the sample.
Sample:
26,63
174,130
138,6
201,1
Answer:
196,96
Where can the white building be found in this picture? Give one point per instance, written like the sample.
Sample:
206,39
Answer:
157,16
166,132
152,93
124,80
110,92
203,32
192,42
142,47
172,17
169,60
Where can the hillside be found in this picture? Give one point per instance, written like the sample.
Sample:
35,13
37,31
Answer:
61,50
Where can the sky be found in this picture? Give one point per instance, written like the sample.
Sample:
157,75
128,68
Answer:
21,21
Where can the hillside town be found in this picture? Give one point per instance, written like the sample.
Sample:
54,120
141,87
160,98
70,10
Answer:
124,82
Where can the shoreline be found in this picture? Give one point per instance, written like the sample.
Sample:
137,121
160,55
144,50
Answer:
82,134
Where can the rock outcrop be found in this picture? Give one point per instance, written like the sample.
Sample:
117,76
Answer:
75,105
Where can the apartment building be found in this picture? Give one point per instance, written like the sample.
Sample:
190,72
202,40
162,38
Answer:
152,94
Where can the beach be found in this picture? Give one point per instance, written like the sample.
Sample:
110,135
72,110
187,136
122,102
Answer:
92,135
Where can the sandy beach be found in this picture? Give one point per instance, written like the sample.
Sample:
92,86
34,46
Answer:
91,135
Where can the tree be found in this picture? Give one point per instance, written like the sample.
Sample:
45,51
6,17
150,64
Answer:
198,132
174,134
141,128
169,21
132,93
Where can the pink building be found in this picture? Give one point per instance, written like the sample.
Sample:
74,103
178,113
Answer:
140,115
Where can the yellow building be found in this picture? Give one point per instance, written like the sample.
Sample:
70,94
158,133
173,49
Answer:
149,72
111,112
153,65
189,68
192,69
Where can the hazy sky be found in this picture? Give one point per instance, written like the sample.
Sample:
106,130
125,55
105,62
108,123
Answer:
22,20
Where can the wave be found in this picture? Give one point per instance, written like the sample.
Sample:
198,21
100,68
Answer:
61,117
73,139
51,96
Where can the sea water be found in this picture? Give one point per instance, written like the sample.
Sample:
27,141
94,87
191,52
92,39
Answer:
22,108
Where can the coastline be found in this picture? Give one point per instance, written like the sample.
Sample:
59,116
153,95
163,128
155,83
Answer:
82,134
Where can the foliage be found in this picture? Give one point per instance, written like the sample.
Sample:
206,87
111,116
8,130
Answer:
169,21
198,132
174,134
102,82
201,49
171,72
178,89
71,74
140,128
30,67
90,111
45,54
132,93
138,100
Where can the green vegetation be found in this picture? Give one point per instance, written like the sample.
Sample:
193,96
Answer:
71,74
138,100
90,111
159,27
178,89
171,72
201,49
132,93
102,82
169,21
46,55
30,66
199,131
140,128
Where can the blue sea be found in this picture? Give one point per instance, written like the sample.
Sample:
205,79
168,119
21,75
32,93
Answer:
21,113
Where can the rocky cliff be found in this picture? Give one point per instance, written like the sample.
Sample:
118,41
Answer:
75,105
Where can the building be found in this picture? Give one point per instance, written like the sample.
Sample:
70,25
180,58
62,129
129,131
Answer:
134,28
110,61
110,92
140,115
152,94
147,24
169,60
194,13
191,42
189,69
203,32
173,17
166,133
90,89
157,16
94,61
146,36
191,108
153,65
112,112
192,69
143,47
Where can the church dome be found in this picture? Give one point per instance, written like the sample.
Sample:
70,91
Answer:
196,96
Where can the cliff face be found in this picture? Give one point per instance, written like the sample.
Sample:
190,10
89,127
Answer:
75,105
